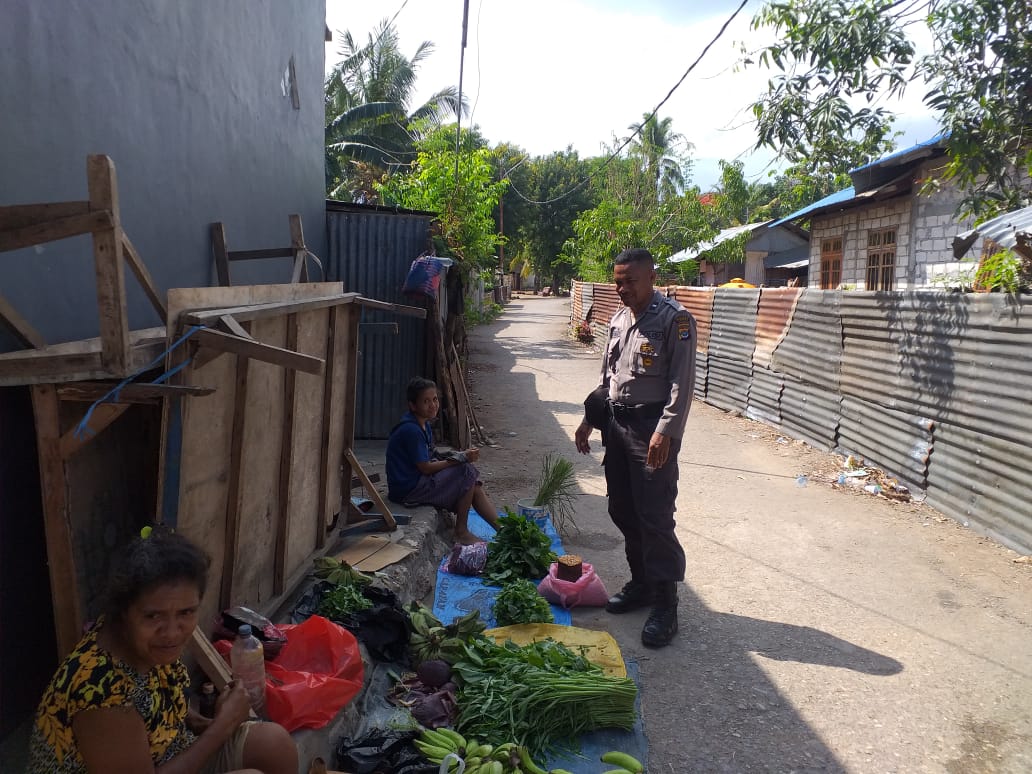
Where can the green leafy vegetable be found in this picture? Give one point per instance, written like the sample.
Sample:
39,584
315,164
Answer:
343,600
518,550
519,602
539,695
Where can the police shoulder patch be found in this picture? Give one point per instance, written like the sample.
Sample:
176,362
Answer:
684,326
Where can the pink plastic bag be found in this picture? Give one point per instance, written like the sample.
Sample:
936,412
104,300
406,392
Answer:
587,591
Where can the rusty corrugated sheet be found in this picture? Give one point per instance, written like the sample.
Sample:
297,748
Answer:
772,319
727,382
698,301
733,335
764,403
577,301
370,251
983,482
810,412
605,302
898,443
812,348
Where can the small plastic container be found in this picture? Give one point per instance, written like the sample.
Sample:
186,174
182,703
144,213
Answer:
247,658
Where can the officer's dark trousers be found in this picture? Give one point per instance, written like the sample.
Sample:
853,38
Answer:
641,504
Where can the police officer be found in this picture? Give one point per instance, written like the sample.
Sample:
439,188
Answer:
649,370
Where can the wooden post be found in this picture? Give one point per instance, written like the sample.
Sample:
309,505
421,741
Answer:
108,265
218,247
351,318
286,454
234,495
325,474
25,333
64,586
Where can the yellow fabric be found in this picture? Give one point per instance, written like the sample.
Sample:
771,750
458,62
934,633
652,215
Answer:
599,647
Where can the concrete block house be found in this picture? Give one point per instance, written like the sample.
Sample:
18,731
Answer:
883,232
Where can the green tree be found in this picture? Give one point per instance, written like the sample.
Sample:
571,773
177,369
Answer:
661,153
839,59
371,124
461,188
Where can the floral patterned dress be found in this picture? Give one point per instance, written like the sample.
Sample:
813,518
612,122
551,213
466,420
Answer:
91,678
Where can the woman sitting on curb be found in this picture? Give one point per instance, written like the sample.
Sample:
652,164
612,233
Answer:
417,475
118,701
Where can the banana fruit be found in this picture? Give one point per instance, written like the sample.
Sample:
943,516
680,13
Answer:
623,762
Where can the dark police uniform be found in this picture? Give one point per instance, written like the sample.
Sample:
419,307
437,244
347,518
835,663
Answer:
649,368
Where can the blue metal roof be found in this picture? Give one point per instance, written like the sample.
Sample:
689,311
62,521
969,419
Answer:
831,199
905,155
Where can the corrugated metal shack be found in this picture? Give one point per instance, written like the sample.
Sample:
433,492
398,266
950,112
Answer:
933,388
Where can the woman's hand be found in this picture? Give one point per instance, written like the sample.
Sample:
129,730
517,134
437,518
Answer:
233,706
472,455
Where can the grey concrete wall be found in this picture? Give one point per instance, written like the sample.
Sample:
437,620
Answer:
853,225
935,224
186,98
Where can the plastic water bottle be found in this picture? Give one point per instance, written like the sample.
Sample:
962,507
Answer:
247,658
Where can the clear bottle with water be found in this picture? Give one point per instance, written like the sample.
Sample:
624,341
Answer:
247,659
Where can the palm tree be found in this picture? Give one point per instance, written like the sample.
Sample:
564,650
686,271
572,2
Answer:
370,127
655,146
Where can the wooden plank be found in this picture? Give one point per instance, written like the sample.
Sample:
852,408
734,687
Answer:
461,409
349,386
209,660
100,220
218,248
474,422
60,556
20,215
297,239
234,496
143,276
103,415
230,325
130,393
325,472
272,309
374,495
107,259
286,358
258,255
407,311
283,515
19,326
196,299
76,360
305,494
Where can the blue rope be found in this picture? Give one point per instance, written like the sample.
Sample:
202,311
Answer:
83,430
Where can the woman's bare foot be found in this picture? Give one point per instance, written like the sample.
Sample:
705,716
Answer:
466,538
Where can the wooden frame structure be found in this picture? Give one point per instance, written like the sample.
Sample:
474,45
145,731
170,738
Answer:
253,432
297,251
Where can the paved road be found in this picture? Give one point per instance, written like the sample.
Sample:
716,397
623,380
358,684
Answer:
822,630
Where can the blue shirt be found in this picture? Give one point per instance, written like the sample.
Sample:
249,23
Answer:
408,444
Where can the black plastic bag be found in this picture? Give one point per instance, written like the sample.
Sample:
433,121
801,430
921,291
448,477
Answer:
383,628
383,752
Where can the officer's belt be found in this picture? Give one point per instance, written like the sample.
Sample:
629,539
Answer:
641,411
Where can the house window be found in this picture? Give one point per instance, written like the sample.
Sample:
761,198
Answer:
831,263
881,259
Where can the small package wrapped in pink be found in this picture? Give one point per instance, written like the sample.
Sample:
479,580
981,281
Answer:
587,591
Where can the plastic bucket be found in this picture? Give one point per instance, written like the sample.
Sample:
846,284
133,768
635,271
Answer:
536,513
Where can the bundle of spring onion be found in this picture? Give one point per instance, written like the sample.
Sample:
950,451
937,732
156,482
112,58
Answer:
540,695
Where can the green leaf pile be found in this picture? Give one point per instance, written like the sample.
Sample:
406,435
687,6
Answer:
519,549
519,603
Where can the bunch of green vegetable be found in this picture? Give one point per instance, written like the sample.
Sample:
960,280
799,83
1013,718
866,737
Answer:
519,603
343,600
538,695
519,549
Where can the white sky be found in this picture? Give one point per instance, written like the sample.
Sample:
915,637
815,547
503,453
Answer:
544,74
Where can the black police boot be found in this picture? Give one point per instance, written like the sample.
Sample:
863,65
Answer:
661,625
635,595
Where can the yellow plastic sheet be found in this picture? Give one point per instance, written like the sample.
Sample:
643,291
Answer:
599,647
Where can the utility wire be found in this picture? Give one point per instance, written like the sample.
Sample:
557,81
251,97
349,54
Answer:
641,126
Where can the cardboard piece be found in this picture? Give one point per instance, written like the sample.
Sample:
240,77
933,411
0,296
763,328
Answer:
373,552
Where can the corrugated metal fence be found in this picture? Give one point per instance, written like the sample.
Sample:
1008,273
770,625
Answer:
934,388
370,251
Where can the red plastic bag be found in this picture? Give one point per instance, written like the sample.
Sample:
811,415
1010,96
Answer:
588,590
315,674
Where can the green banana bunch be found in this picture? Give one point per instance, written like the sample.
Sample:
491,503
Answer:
624,762
435,744
339,572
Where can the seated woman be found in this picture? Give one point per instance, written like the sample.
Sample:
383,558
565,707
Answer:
416,477
117,703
